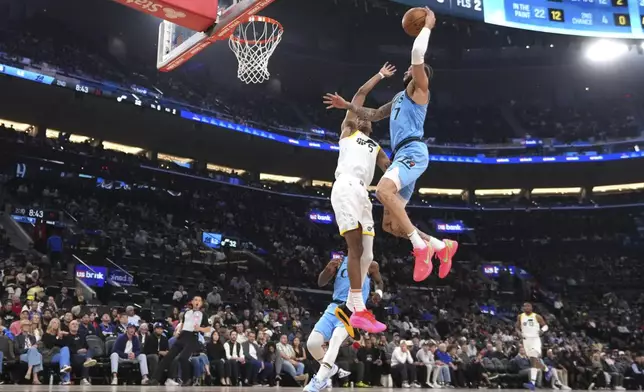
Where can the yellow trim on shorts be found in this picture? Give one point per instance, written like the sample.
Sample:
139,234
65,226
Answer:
368,233
344,231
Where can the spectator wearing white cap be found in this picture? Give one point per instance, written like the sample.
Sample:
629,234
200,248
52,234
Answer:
402,364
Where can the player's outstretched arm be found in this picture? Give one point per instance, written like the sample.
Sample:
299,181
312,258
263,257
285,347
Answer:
542,323
335,101
328,272
383,161
374,272
349,123
420,93
386,71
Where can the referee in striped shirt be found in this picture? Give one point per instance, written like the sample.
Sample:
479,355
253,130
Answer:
194,322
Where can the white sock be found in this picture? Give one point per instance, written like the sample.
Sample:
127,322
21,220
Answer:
436,243
416,241
533,375
355,298
324,372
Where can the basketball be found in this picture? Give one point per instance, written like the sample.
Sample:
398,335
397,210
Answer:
414,21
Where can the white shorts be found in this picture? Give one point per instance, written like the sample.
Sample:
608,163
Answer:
351,205
532,347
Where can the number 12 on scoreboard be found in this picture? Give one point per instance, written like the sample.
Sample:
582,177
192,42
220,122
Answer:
556,15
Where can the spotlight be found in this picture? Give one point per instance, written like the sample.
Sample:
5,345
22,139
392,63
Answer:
604,50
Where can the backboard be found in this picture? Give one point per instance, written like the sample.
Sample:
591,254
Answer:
178,43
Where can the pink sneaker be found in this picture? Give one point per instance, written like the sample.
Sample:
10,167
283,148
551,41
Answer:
445,256
423,265
366,320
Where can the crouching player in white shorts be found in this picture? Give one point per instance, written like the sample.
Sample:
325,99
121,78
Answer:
359,155
329,328
529,326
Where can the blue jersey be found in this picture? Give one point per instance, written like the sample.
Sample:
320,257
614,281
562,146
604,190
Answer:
342,285
406,120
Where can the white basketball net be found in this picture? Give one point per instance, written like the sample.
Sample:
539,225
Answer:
253,43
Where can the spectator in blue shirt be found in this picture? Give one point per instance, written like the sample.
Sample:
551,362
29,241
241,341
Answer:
55,248
106,328
6,331
443,361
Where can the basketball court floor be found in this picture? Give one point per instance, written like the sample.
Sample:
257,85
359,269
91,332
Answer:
138,388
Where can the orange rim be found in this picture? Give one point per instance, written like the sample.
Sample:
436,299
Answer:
264,19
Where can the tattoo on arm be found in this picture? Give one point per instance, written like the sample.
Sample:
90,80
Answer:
371,114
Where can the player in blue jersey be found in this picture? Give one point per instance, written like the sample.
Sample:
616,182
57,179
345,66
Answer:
409,158
329,328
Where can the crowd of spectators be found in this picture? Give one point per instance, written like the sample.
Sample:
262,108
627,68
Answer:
439,338
590,122
261,342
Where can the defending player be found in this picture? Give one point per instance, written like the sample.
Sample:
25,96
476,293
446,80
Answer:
357,160
529,326
410,156
329,328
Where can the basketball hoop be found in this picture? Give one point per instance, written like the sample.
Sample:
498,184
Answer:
253,43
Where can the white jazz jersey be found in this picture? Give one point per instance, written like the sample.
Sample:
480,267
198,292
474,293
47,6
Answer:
349,195
530,331
358,155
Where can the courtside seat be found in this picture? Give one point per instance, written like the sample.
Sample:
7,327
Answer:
128,371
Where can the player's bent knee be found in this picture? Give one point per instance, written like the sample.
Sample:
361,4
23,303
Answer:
367,256
314,344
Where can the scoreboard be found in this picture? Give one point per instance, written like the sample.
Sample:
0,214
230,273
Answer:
593,18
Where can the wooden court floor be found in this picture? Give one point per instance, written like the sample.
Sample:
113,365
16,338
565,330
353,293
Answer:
137,388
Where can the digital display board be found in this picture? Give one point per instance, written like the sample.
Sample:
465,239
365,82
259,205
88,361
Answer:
211,240
472,9
321,217
337,255
92,275
450,227
595,18
494,270
121,277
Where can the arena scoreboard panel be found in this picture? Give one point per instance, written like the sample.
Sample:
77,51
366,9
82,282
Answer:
594,18
597,18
